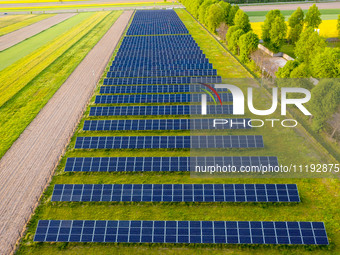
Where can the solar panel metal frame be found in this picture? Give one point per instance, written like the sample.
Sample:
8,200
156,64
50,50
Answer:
217,232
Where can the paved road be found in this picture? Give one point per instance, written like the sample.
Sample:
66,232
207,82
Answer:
28,165
290,6
17,36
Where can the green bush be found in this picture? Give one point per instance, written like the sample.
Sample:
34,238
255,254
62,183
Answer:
248,43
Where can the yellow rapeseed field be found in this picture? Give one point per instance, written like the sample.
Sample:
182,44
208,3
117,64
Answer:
327,28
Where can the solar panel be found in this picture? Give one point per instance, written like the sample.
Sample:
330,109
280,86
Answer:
157,98
164,164
238,232
176,193
153,89
162,67
163,124
159,73
168,142
159,110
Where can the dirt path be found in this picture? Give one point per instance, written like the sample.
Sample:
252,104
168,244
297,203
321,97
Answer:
289,6
17,36
28,165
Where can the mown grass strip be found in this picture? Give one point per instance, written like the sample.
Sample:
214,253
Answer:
17,76
21,109
24,23
13,54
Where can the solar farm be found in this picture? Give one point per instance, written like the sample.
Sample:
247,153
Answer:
124,183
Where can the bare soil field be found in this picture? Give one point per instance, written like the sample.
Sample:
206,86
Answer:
17,36
28,165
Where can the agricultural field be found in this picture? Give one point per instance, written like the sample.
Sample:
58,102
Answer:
328,28
23,96
319,200
18,23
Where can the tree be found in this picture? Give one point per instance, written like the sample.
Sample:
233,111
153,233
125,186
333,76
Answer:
313,19
248,43
295,23
226,9
194,7
203,9
325,101
309,44
277,34
233,43
241,20
232,14
230,31
267,25
284,72
326,63
301,71
214,17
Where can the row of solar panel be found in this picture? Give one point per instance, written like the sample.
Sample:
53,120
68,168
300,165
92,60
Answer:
165,124
146,52
158,98
156,164
162,80
239,232
162,67
169,142
174,193
159,110
158,40
197,72
155,62
156,56
153,89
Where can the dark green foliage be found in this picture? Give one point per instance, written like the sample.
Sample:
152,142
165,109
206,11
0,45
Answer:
231,30
284,72
313,18
326,64
226,9
248,43
241,20
267,25
277,34
203,10
325,101
214,17
295,23
232,14
233,43
309,45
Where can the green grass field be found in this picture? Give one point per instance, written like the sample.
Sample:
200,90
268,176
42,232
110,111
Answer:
26,103
15,53
326,14
319,197
20,24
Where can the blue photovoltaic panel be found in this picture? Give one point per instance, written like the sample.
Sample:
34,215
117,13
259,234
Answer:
164,124
153,89
159,110
161,164
238,232
176,193
162,80
164,142
158,98
162,67
159,73
150,22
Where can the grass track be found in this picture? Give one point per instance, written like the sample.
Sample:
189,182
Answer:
319,200
21,110
16,53
23,23
11,19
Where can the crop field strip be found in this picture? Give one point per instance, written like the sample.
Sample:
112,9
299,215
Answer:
148,73
11,39
158,164
232,232
175,193
21,22
49,132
